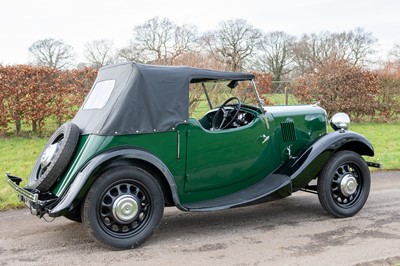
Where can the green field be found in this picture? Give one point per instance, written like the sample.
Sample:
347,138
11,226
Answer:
386,141
280,99
17,155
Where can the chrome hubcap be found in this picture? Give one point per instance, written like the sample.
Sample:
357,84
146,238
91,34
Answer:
348,185
48,155
125,208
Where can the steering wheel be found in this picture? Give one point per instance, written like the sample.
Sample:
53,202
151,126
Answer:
228,115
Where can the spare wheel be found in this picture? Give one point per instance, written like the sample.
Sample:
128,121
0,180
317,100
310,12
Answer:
55,157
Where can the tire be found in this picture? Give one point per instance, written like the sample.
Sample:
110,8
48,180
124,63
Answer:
57,154
129,187
344,184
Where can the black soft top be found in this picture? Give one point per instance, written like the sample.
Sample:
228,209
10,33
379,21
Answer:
145,98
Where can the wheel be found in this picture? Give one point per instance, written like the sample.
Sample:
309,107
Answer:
343,184
55,157
228,116
123,208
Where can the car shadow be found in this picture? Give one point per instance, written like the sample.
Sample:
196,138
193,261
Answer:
291,211
180,228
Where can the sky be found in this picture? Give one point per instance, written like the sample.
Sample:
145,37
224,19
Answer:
76,22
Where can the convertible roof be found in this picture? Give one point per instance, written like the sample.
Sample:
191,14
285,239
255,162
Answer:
145,98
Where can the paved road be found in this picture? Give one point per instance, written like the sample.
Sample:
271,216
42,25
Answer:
293,231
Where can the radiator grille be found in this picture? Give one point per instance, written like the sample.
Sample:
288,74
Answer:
288,132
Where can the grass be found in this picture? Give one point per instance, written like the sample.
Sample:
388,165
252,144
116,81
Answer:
280,98
386,141
18,155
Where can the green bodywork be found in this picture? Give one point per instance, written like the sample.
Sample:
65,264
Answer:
204,136
208,164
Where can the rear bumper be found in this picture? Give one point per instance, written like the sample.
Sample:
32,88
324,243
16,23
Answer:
24,194
37,203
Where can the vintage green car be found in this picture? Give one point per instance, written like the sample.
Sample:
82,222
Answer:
151,136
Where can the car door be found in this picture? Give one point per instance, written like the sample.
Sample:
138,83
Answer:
229,160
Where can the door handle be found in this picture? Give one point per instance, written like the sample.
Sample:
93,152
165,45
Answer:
264,138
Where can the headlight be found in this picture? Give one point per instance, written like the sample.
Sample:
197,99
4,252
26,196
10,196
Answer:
340,121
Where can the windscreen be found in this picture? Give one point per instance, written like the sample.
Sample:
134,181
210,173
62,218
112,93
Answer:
218,91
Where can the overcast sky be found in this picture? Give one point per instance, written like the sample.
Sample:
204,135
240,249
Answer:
22,22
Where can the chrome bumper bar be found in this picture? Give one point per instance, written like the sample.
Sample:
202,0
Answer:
37,202
24,194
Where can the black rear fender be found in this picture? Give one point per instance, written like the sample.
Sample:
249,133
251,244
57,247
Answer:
305,166
87,176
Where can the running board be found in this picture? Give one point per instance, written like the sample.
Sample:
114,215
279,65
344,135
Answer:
246,196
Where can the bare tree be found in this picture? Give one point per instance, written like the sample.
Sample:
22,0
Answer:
199,59
233,43
160,41
310,51
354,46
99,53
303,54
133,53
276,54
395,52
185,38
52,53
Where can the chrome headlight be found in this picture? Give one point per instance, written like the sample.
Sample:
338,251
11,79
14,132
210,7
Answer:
340,121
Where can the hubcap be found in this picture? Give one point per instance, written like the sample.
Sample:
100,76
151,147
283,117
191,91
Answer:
348,185
48,155
125,208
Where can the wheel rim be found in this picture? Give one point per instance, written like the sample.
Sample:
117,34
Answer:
124,209
48,156
346,185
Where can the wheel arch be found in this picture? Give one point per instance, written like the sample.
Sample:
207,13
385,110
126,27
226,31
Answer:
114,158
358,146
309,163
148,167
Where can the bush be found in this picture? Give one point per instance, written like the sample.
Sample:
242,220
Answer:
340,87
31,94
389,97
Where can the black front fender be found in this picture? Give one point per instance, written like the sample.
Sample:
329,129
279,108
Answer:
306,166
85,178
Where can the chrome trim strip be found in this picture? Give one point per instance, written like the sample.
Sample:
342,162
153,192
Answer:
206,93
178,152
28,195
259,100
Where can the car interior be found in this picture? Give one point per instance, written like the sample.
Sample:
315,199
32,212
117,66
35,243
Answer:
233,100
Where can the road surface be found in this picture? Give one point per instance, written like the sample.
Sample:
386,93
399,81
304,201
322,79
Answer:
292,231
